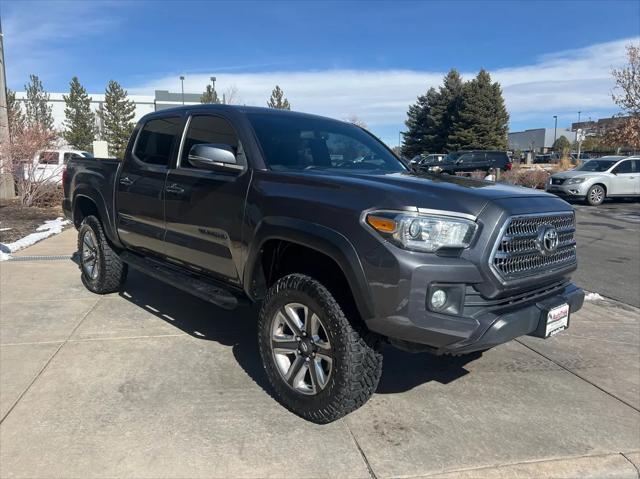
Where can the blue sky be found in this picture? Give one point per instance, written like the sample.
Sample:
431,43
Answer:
368,59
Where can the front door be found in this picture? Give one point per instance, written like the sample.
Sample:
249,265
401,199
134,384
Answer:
205,208
140,186
624,180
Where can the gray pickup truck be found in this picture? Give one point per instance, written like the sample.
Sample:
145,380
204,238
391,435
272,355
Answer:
318,223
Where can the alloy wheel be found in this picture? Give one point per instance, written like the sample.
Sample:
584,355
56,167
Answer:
596,195
301,348
90,263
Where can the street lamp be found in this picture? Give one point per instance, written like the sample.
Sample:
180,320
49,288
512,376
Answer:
182,86
555,129
213,82
579,117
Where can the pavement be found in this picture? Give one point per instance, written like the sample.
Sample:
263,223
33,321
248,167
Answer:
609,250
154,383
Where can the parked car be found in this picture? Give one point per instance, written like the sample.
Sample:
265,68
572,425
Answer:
317,222
466,161
421,161
595,180
546,158
47,165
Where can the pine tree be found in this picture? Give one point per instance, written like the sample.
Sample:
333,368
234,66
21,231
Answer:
38,109
417,125
80,121
116,114
444,112
210,95
15,115
482,120
278,100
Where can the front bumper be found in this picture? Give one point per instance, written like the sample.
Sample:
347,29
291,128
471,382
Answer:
577,191
481,326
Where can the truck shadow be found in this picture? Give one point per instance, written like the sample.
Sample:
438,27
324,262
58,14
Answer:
237,329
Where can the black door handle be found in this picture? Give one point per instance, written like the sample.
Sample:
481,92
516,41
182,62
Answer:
126,181
174,188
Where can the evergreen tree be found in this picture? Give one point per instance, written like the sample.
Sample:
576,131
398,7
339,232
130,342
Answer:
417,125
38,108
444,113
80,121
15,115
210,95
482,120
562,145
116,114
278,100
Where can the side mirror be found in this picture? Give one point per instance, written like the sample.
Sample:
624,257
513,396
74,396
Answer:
213,156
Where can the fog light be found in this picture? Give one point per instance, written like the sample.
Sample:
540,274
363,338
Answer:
438,299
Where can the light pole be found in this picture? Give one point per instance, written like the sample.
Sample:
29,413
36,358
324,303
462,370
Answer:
182,86
555,131
579,118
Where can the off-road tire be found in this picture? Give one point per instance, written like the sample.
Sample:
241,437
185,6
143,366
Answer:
112,272
357,362
593,198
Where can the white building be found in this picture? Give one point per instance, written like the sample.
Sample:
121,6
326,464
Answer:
161,100
538,140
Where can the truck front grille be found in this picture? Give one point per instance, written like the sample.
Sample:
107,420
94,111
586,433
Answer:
520,251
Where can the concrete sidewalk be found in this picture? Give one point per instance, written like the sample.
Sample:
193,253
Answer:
152,382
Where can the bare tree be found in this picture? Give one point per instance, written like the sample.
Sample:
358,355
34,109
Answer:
24,159
356,120
626,95
231,96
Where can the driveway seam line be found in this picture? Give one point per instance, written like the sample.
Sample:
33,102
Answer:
579,376
48,362
632,463
372,474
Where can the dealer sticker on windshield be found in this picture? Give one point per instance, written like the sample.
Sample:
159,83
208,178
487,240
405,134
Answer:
557,320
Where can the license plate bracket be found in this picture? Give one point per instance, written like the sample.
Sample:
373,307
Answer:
553,320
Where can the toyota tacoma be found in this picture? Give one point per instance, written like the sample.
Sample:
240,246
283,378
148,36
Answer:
340,246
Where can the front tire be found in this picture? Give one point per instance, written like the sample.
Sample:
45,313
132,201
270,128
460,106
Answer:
102,269
319,365
596,195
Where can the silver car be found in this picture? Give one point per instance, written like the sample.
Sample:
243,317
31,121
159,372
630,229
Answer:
595,180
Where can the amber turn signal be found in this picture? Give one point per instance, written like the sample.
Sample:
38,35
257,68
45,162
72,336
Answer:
384,225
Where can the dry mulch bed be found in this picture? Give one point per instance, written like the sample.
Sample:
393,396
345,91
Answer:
23,220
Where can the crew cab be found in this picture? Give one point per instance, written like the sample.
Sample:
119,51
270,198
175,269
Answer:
338,244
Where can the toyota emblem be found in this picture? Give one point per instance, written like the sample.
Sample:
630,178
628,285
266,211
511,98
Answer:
547,240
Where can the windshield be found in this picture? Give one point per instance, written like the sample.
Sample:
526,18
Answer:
597,165
291,142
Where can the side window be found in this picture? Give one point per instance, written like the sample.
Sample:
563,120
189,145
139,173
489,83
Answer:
636,166
155,140
479,157
68,156
208,129
624,167
49,157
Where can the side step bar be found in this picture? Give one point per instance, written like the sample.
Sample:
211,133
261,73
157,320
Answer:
190,284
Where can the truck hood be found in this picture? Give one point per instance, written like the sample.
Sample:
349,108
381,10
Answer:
421,190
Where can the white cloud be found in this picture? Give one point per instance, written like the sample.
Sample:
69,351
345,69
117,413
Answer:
559,83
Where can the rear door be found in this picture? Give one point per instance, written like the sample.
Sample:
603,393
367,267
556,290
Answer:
140,187
623,181
205,208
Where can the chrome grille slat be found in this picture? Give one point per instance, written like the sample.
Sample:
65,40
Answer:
517,255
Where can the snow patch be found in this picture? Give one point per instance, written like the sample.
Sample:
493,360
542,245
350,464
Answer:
49,228
593,297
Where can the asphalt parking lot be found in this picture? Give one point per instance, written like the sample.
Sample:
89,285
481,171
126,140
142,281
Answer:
609,250
152,382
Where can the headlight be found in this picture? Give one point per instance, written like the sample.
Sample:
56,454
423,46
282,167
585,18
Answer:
574,181
423,233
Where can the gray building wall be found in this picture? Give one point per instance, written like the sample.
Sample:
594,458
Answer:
538,139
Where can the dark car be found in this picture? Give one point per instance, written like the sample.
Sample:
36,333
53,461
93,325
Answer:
340,247
473,160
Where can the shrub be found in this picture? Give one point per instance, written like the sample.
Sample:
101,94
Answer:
534,178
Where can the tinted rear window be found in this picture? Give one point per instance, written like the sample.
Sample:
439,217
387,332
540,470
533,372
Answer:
155,141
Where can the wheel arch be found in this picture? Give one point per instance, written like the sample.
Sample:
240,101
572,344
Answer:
89,201
321,239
